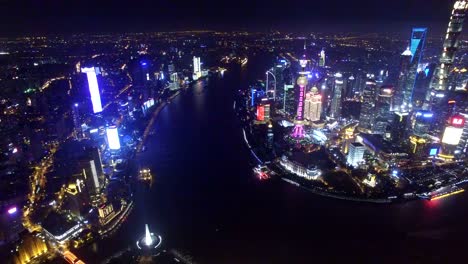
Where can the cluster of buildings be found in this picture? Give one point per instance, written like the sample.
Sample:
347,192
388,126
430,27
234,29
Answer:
408,115
71,124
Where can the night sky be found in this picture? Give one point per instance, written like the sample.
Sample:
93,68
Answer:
70,16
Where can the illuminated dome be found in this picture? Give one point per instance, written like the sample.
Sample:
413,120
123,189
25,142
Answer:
407,52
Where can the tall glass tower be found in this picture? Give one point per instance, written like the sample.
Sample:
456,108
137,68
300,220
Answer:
417,42
335,109
455,25
366,119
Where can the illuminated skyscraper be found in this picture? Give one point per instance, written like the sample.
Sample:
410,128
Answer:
440,82
335,108
113,138
90,167
322,58
366,119
93,89
298,131
399,127
196,68
452,136
400,91
289,99
417,42
313,105
356,154
76,121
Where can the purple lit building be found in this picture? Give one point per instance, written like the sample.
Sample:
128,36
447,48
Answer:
298,131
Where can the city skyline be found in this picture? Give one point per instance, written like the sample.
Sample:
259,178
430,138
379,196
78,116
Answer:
228,146
57,17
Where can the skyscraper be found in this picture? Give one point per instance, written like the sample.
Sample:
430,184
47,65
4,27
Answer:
313,105
399,127
113,138
455,26
196,68
400,91
322,58
93,89
356,154
367,116
289,99
417,43
335,108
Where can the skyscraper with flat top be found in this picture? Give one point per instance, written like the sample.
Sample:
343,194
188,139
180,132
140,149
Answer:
335,108
367,117
417,42
313,105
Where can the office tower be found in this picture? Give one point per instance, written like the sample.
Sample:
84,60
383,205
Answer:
256,95
335,108
400,91
90,168
93,89
171,68
322,58
355,154
279,79
417,43
289,99
174,83
399,127
196,68
382,109
421,122
313,105
452,136
350,87
113,139
77,121
367,116
454,29
462,147
263,112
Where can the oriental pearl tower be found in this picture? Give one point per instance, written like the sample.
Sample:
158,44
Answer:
298,131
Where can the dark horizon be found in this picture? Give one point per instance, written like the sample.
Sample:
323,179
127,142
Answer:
57,17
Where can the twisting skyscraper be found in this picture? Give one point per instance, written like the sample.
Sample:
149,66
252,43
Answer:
454,29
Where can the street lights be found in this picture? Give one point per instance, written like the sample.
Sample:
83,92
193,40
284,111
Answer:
274,77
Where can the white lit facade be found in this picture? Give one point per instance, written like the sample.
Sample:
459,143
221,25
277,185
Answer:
93,88
113,139
313,107
196,68
356,154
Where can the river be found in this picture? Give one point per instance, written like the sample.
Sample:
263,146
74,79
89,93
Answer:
206,202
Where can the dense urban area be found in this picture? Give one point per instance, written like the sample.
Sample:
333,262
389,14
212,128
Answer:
364,117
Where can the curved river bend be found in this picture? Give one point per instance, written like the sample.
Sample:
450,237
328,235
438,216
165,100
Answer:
205,201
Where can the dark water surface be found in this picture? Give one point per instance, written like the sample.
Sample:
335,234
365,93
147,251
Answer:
206,202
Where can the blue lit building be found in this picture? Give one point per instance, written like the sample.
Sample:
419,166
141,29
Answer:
417,43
